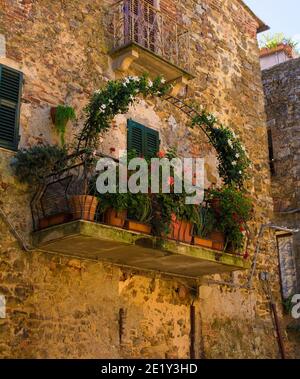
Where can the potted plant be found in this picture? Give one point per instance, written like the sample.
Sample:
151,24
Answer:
183,221
84,205
139,213
33,165
60,116
235,209
114,207
204,226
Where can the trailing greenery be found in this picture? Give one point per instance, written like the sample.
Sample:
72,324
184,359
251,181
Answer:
63,114
32,165
271,41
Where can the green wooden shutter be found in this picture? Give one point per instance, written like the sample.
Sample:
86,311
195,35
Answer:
10,99
135,137
143,140
151,143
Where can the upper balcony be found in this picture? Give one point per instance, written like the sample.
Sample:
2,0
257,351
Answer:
147,39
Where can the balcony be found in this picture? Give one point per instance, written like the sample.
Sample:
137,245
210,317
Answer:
146,39
63,224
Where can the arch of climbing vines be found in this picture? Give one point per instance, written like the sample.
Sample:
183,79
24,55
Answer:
118,95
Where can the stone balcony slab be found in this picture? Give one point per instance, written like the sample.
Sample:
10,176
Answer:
100,242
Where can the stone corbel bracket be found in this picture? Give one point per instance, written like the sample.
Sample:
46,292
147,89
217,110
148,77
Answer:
136,60
123,62
178,85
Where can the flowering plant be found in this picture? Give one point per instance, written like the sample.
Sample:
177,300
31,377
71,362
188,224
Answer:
232,209
114,99
232,156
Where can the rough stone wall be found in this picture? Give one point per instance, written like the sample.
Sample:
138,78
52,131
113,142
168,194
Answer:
282,88
63,307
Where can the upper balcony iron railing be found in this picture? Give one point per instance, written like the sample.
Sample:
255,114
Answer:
138,22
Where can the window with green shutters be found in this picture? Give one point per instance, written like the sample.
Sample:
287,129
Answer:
143,140
10,99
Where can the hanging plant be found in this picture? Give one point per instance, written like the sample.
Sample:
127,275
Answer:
61,115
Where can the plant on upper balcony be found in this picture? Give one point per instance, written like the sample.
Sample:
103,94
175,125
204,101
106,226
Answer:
271,41
233,209
61,115
34,164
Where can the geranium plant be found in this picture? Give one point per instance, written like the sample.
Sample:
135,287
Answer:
233,209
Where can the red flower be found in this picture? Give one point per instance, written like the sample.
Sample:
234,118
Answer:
235,217
171,181
246,255
161,154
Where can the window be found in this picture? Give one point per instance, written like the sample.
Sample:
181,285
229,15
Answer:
143,140
10,100
140,22
271,152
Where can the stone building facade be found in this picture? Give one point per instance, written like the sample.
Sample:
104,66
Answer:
281,87
63,306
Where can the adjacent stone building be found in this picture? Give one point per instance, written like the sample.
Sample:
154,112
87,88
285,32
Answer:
282,86
64,305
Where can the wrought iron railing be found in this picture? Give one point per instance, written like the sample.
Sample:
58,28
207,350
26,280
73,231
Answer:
137,21
67,194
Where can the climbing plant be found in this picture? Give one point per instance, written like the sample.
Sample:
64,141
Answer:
119,95
115,99
233,161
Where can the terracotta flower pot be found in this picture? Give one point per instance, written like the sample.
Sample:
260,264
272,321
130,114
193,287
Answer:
83,207
115,218
57,219
138,227
181,231
199,241
218,240
281,47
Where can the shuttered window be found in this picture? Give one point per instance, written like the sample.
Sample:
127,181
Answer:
143,140
10,96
